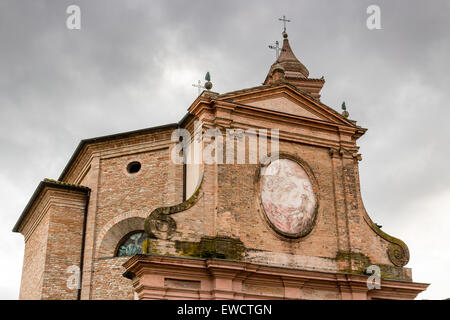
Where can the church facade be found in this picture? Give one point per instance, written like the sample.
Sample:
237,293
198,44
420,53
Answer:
126,221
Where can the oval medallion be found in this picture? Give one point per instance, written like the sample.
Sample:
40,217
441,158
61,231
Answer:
288,198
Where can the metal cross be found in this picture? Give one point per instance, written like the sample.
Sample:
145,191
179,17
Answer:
199,86
284,22
277,48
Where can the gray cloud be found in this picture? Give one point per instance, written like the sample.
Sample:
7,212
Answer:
132,65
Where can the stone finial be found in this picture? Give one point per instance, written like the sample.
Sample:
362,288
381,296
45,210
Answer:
208,83
345,112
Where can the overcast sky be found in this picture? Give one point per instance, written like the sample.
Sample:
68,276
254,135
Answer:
132,64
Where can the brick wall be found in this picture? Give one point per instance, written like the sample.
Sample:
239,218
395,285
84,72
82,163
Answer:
63,246
34,262
53,235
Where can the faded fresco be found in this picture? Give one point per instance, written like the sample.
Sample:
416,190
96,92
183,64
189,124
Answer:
288,197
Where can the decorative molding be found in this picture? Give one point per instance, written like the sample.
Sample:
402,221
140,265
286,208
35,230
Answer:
345,153
333,152
357,156
398,253
160,224
148,274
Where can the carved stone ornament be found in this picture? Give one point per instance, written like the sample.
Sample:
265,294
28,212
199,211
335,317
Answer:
160,224
398,255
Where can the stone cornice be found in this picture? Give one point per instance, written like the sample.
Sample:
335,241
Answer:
223,114
263,112
348,284
49,193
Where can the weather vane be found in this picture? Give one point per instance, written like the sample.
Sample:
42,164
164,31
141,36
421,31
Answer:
277,48
284,22
208,84
199,86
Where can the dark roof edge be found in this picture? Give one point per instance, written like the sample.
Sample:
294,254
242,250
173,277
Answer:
46,183
112,137
185,118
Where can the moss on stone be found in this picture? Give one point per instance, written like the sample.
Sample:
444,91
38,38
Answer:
220,247
359,263
393,272
149,247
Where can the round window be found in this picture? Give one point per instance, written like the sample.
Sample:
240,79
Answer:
134,167
288,199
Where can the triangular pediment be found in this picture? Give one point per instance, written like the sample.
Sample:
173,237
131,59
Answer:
285,104
288,100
